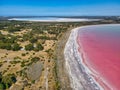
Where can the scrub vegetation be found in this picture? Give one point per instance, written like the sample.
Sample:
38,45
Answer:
30,56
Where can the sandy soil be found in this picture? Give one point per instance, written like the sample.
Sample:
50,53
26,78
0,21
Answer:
47,79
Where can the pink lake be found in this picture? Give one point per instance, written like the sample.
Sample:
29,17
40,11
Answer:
100,45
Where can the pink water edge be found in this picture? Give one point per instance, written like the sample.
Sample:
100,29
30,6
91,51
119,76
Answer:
101,52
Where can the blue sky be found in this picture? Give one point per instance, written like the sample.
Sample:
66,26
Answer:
59,7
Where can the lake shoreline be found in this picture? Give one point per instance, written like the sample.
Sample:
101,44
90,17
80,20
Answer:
79,79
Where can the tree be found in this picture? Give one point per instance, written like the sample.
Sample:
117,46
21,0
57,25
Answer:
29,47
8,46
2,87
33,40
5,46
39,46
16,47
9,40
8,80
35,59
13,29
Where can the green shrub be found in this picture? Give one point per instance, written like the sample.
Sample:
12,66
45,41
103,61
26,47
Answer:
8,80
13,29
23,54
22,63
29,47
33,40
38,47
2,86
16,47
5,46
35,59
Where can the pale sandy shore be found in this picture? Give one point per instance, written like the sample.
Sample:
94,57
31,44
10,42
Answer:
79,74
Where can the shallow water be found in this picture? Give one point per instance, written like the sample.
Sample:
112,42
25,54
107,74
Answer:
101,50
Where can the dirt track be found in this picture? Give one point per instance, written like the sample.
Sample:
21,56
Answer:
62,74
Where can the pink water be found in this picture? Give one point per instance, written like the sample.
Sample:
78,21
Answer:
101,50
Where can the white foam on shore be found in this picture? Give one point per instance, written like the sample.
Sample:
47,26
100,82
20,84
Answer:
73,59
